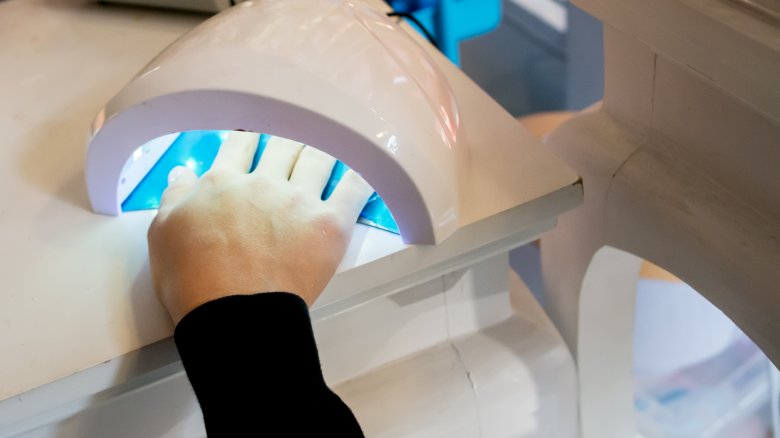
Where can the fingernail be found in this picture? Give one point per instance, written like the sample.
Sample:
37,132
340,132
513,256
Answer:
175,173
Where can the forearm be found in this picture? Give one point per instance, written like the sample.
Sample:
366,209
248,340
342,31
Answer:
253,363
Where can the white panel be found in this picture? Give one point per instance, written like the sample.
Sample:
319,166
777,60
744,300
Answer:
477,297
425,396
353,342
523,379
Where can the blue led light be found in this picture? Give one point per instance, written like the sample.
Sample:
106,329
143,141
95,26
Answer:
197,150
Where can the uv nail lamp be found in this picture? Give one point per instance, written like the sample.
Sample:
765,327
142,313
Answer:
340,76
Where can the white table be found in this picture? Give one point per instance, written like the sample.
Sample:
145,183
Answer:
76,298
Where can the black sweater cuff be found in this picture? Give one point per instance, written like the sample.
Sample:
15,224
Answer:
252,361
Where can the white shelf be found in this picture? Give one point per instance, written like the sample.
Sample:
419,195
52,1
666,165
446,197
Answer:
77,299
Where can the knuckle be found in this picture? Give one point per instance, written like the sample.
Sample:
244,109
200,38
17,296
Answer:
330,221
154,227
215,176
261,180
151,233
177,219
166,195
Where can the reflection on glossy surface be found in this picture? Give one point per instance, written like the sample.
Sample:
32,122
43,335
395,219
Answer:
419,69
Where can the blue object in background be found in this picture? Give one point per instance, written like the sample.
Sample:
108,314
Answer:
198,149
452,21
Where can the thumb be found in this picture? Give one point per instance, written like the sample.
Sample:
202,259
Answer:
181,180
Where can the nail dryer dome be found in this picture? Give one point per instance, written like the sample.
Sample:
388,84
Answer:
337,75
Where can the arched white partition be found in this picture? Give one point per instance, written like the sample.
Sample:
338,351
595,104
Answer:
652,157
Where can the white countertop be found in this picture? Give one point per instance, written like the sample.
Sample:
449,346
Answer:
75,285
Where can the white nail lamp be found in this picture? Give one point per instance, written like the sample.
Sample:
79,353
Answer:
337,75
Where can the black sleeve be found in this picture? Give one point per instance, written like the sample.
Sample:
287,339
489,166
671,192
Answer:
253,363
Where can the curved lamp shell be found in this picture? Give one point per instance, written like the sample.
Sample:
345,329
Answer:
337,75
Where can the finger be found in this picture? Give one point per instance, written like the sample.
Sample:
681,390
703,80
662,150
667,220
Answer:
236,152
350,195
312,170
279,157
181,180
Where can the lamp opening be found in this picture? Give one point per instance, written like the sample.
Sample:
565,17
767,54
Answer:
145,174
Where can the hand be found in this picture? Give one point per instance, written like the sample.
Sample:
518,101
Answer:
238,233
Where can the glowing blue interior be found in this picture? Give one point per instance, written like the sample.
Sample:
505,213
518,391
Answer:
197,150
